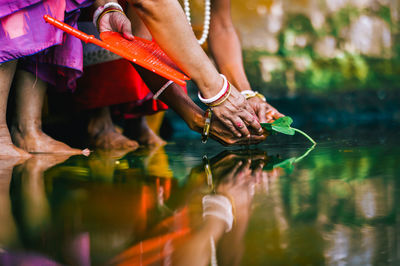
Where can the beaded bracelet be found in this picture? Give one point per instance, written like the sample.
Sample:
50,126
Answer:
207,125
219,96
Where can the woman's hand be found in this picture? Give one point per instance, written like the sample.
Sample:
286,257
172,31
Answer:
265,112
237,115
117,22
225,136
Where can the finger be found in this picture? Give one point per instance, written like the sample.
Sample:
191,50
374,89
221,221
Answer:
270,116
243,172
251,120
232,128
240,126
262,115
278,115
236,167
127,31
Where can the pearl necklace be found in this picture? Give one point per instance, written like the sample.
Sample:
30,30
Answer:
207,16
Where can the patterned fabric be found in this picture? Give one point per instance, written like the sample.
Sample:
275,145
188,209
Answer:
44,50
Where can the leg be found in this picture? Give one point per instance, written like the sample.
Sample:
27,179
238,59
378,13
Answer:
7,149
103,134
27,128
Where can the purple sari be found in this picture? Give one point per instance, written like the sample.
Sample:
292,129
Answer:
42,49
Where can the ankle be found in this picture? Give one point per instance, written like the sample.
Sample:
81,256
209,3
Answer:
99,126
27,129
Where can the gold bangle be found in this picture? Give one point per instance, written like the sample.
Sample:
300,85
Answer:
207,125
262,97
254,94
105,12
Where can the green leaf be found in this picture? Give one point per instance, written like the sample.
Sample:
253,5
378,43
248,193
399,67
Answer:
285,121
284,130
288,164
267,126
282,125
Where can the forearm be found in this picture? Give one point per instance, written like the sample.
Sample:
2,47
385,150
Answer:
226,50
169,27
174,97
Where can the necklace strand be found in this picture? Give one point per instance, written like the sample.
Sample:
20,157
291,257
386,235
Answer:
207,17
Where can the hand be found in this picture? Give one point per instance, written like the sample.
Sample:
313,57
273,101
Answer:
117,22
237,115
224,136
265,112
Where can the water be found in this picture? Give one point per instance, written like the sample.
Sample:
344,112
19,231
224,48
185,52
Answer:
335,206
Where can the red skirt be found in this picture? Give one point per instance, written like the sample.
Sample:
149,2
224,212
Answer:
116,83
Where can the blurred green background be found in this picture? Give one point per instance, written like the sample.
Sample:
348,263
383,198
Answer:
317,46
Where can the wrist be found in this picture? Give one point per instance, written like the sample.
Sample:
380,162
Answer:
103,10
211,86
221,96
196,121
243,86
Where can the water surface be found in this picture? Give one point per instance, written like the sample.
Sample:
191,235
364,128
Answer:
335,206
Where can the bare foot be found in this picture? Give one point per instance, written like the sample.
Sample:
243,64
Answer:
103,134
7,149
148,137
112,140
38,142
139,130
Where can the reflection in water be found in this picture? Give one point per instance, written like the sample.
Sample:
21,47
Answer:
335,206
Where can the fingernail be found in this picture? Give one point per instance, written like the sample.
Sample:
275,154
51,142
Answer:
239,135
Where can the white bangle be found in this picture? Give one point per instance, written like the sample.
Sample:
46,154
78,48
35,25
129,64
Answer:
100,10
158,93
226,218
218,206
223,90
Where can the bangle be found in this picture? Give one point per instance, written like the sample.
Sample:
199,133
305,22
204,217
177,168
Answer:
207,170
219,95
250,94
207,125
158,93
223,98
100,9
105,11
220,207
